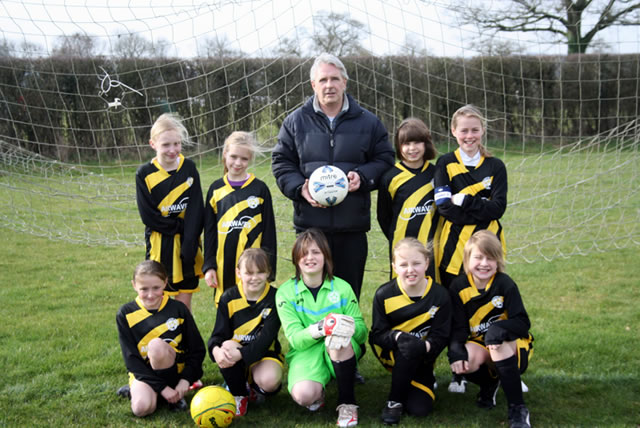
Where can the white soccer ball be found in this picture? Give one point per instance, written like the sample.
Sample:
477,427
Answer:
328,185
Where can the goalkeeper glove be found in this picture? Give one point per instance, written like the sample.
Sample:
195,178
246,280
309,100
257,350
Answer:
442,194
316,329
341,325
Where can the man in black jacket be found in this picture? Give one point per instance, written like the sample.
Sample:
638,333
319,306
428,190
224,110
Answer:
331,128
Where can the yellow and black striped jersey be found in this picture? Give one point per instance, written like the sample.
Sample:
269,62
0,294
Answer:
236,219
406,206
171,208
427,317
173,323
485,187
474,311
254,325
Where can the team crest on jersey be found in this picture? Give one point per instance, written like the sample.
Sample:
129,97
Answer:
253,202
265,313
486,182
498,301
190,181
244,222
409,213
172,324
333,297
433,311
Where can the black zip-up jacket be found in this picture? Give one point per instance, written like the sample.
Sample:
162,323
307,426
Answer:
357,141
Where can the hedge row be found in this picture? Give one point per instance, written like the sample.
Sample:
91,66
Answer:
59,106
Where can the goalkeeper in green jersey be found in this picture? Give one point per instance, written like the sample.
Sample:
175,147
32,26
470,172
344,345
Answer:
325,329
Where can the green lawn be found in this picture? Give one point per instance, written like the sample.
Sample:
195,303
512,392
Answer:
59,345
63,365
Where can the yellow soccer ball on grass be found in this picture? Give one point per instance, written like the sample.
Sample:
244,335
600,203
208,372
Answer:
213,406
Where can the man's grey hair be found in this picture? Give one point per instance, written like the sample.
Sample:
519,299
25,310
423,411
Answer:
327,58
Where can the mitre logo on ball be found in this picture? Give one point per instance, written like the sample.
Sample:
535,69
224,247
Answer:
328,185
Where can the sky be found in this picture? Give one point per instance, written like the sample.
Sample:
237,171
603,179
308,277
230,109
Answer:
257,27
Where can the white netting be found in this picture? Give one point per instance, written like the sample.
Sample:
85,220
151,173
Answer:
81,85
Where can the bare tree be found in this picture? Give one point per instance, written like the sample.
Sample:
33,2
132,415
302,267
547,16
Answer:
564,19
7,49
413,46
159,48
490,45
76,45
29,49
131,45
338,34
219,47
289,47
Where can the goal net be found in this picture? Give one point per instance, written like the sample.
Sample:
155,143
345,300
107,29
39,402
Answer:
80,86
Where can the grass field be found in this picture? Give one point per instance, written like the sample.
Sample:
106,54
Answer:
62,361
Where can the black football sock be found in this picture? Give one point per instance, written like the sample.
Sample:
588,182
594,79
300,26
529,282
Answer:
403,369
345,371
235,378
481,376
509,374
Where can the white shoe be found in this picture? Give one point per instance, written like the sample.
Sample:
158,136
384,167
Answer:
242,402
347,415
458,384
317,405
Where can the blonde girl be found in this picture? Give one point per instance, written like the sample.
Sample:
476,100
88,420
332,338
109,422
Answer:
169,199
238,215
162,362
490,327
471,191
411,321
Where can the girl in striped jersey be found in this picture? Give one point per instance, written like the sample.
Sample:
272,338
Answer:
238,215
470,194
244,342
405,195
411,324
169,199
490,340
471,191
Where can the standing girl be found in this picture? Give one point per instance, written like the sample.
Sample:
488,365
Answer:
405,195
471,194
325,329
244,342
169,200
411,324
490,327
238,215
471,191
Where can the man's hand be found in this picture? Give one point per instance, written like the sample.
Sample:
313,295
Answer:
305,194
354,181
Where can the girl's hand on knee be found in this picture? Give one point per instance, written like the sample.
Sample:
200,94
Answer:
170,394
459,367
182,387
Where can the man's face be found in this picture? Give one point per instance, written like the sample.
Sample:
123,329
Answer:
329,85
